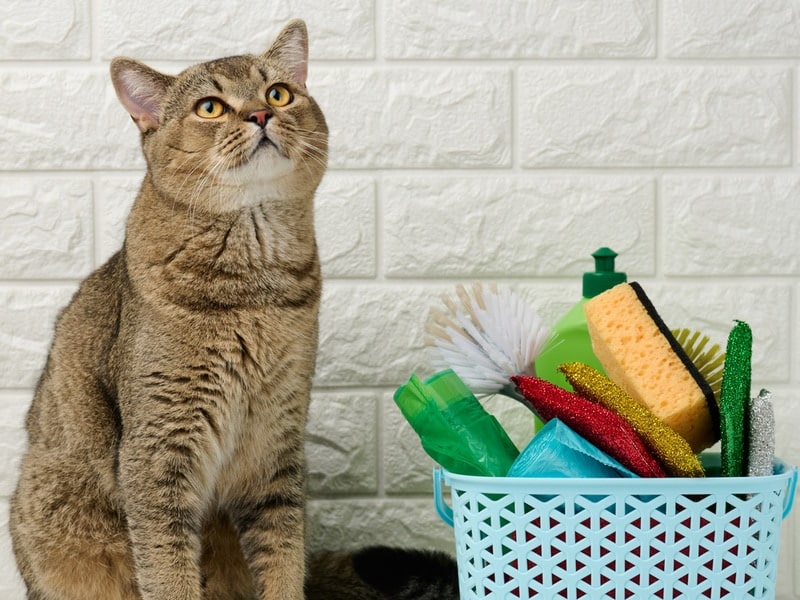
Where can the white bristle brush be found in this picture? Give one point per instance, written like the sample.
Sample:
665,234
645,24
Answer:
487,336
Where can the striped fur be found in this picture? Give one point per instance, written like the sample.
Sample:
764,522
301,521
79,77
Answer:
165,457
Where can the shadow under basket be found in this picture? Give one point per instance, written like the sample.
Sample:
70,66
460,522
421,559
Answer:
592,539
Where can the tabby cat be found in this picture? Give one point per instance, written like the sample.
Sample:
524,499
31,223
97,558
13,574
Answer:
166,434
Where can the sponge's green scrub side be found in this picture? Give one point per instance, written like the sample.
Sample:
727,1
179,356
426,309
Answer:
734,399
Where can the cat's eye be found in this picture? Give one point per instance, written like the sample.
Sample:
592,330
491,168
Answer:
210,108
279,95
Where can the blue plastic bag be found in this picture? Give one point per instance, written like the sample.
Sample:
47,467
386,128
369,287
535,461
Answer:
557,451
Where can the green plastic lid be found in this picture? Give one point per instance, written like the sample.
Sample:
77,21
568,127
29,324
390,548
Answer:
604,276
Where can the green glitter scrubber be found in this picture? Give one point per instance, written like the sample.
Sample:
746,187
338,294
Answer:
734,399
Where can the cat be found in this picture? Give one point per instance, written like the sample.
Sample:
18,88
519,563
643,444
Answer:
166,433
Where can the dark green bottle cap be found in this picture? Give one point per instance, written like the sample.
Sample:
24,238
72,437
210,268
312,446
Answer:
604,276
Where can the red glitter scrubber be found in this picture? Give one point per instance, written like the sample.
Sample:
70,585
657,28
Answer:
599,425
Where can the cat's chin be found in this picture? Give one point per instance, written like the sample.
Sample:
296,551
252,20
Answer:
267,177
266,165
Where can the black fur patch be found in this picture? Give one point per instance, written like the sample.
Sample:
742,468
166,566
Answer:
405,573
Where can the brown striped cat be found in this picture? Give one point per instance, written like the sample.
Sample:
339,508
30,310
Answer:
166,434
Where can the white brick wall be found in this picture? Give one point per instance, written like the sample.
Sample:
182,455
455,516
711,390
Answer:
499,141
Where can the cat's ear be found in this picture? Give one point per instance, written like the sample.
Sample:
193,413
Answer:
141,90
290,49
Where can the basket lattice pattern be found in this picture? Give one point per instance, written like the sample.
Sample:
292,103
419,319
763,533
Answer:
617,546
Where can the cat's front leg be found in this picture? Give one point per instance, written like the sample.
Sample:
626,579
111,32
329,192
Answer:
163,488
271,525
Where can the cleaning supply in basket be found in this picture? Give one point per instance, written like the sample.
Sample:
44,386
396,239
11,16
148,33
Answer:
665,443
601,426
486,336
453,427
734,399
709,360
570,340
761,435
557,451
640,354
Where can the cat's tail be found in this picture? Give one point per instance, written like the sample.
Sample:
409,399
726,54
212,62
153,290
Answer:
382,573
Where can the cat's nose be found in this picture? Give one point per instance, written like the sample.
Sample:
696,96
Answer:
260,117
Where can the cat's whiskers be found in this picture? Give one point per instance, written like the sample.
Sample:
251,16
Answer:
211,173
311,153
225,151
310,145
198,164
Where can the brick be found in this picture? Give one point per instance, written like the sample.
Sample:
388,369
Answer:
13,438
724,29
47,29
794,341
352,524
503,226
655,116
422,117
338,29
371,335
712,309
11,586
341,444
45,228
457,29
553,300
346,223
786,405
516,419
114,197
26,328
732,225
64,119
406,466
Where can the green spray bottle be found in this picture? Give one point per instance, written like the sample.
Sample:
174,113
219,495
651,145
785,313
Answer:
569,340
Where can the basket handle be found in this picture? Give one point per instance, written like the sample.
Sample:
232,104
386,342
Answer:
790,492
444,511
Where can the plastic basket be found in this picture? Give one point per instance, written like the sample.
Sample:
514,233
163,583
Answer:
672,538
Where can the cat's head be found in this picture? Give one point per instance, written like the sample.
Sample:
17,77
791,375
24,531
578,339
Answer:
231,132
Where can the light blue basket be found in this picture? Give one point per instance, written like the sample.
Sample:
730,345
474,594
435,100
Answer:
640,539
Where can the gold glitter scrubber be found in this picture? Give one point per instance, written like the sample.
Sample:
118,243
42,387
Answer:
672,450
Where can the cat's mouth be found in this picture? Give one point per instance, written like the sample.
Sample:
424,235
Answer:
265,153
265,142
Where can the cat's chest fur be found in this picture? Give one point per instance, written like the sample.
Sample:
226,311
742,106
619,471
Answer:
257,256
222,327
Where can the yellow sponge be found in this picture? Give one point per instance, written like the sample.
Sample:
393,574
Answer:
640,355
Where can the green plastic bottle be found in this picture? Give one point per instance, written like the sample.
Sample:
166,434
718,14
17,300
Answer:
570,341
